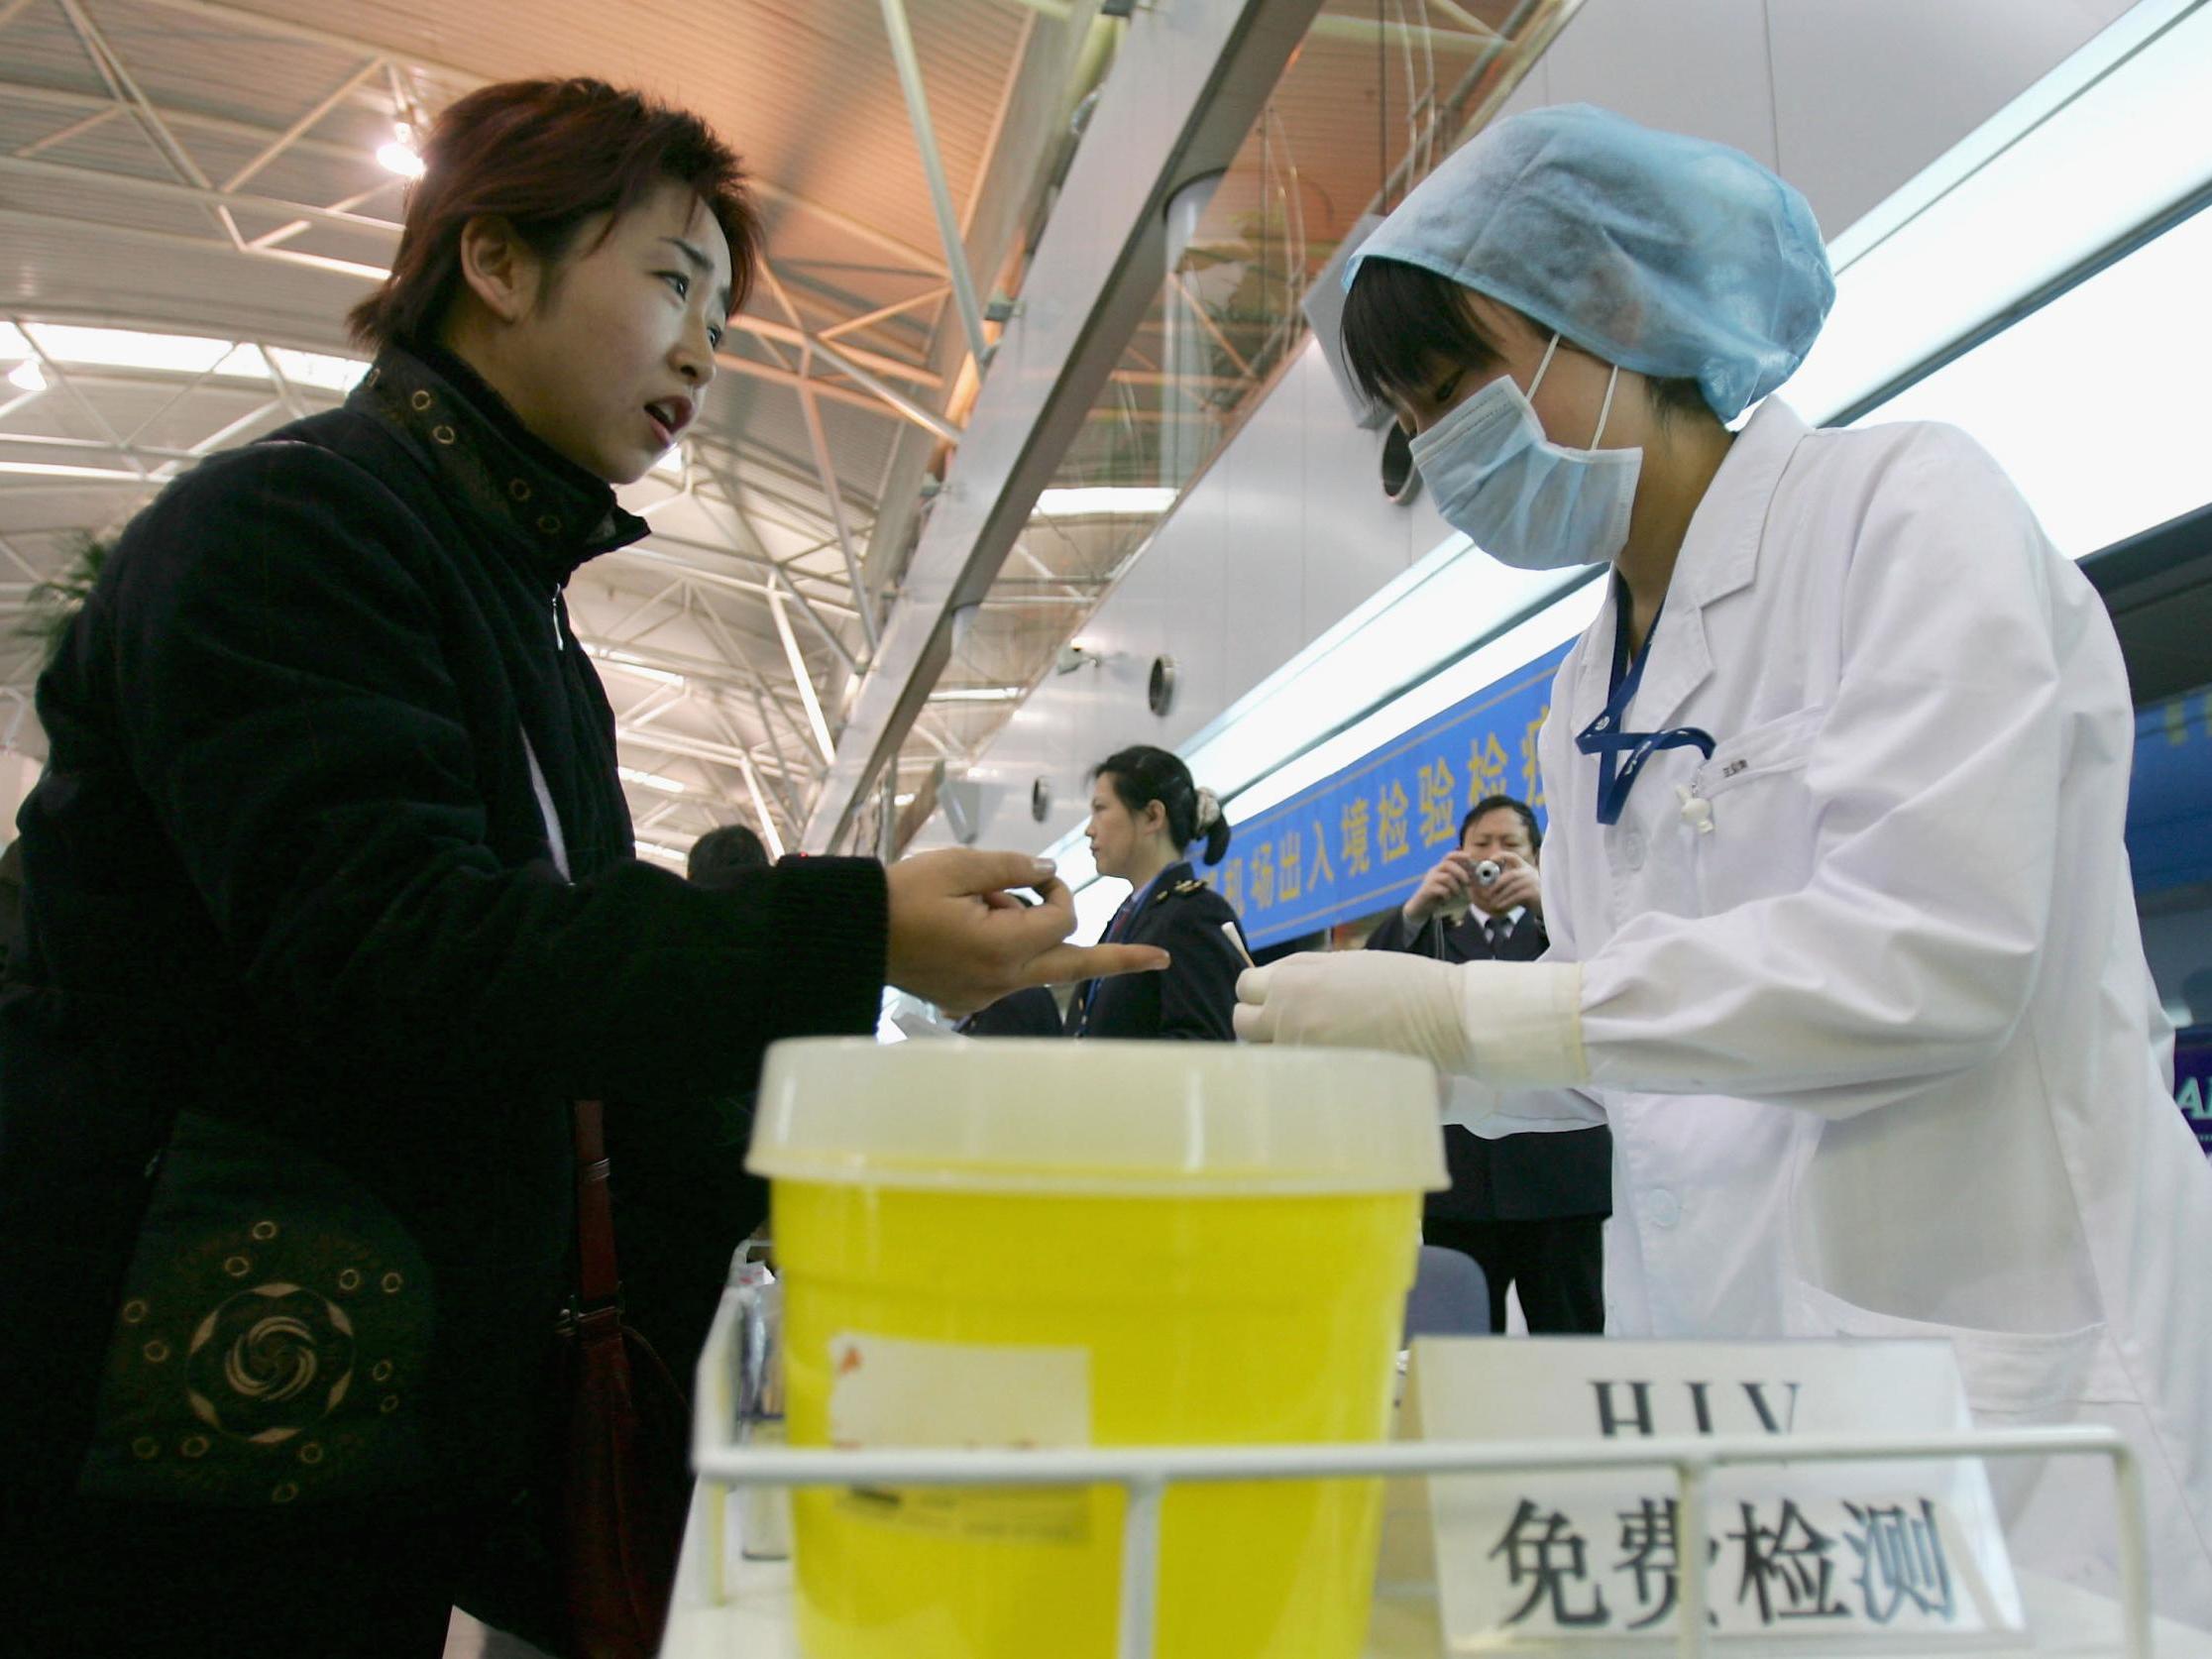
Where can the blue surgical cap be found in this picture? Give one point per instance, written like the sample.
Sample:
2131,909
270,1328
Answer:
1670,255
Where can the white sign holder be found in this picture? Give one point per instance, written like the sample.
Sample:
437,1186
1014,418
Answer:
1145,1473
1924,1537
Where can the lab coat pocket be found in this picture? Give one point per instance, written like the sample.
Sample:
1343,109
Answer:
2013,1378
2059,1512
1750,813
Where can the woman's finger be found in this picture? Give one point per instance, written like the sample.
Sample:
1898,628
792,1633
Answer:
1064,964
975,870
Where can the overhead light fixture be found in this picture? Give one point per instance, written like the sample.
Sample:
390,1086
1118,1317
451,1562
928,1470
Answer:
74,344
400,155
652,780
630,665
976,693
661,851
137,348
1105,501
2099,146
46,469
26,375
2092,479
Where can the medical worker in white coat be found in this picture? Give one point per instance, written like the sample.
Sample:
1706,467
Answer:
1843,940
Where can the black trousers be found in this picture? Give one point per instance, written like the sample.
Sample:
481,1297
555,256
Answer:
1557,1264
115,1581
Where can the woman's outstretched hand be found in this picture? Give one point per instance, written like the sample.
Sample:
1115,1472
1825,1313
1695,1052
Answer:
959,941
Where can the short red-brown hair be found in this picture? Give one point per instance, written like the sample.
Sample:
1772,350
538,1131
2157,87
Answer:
546,156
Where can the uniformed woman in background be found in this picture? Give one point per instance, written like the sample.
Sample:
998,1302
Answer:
1145,813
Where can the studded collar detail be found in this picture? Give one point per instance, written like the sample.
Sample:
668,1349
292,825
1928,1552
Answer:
465,435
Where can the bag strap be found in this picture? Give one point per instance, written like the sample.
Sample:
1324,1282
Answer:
598,1280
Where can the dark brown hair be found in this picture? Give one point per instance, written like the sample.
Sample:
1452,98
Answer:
1405,326
546,156
1142,774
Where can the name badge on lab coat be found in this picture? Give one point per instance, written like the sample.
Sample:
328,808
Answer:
1824,1551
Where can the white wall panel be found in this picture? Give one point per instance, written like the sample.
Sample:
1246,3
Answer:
1692,65
1130,631
1868,93
1191,548
1264,525
1357,538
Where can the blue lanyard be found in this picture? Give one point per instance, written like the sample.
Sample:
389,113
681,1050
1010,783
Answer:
1622,753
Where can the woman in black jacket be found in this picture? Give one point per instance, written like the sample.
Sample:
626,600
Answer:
330,913
1145,813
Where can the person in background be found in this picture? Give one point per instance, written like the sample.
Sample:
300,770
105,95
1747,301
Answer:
1145,813
331,913
1842,940
1028,1012
1530,1209
724,852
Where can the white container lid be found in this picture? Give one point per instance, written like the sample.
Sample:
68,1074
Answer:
1108,1118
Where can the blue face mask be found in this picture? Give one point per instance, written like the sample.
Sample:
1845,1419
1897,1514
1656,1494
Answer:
1517,495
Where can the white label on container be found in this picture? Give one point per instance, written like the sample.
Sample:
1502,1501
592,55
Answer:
978,1396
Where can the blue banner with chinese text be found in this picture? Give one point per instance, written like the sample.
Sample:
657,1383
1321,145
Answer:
1360,840
2169,797
2192,1081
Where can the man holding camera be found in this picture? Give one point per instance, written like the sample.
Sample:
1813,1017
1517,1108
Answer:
1530,1209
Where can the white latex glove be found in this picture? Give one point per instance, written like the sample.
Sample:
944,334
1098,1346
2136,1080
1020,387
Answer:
1356,999
1511,1024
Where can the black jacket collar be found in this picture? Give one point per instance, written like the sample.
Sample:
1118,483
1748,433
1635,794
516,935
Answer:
477,447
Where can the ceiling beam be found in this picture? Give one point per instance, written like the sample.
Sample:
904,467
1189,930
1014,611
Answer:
464,80
1190,78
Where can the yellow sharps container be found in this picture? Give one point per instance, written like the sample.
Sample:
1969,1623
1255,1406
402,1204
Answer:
1026,1243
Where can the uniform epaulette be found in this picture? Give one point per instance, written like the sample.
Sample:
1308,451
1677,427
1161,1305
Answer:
1190,886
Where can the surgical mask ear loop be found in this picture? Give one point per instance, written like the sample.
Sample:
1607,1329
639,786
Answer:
1605,411
1541,370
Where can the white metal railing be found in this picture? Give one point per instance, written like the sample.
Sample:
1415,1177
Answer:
1144,1472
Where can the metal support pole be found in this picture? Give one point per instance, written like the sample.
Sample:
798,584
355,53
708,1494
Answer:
932,167
2135,1550
283,139
803,675
820,440
925,419
1689,1558
1139,1568
825,470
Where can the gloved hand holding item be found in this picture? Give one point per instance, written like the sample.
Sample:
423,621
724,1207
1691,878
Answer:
1512,1024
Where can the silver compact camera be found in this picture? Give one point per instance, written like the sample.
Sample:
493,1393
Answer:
1488,871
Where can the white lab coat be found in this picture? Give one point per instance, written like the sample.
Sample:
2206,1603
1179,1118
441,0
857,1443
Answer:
1877,1042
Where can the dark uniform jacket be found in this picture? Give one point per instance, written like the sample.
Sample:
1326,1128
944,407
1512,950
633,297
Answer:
1193,997
285,1062
1028,1012
1520,1177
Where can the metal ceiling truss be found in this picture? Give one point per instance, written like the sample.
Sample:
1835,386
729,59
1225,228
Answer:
1190,78
764,500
